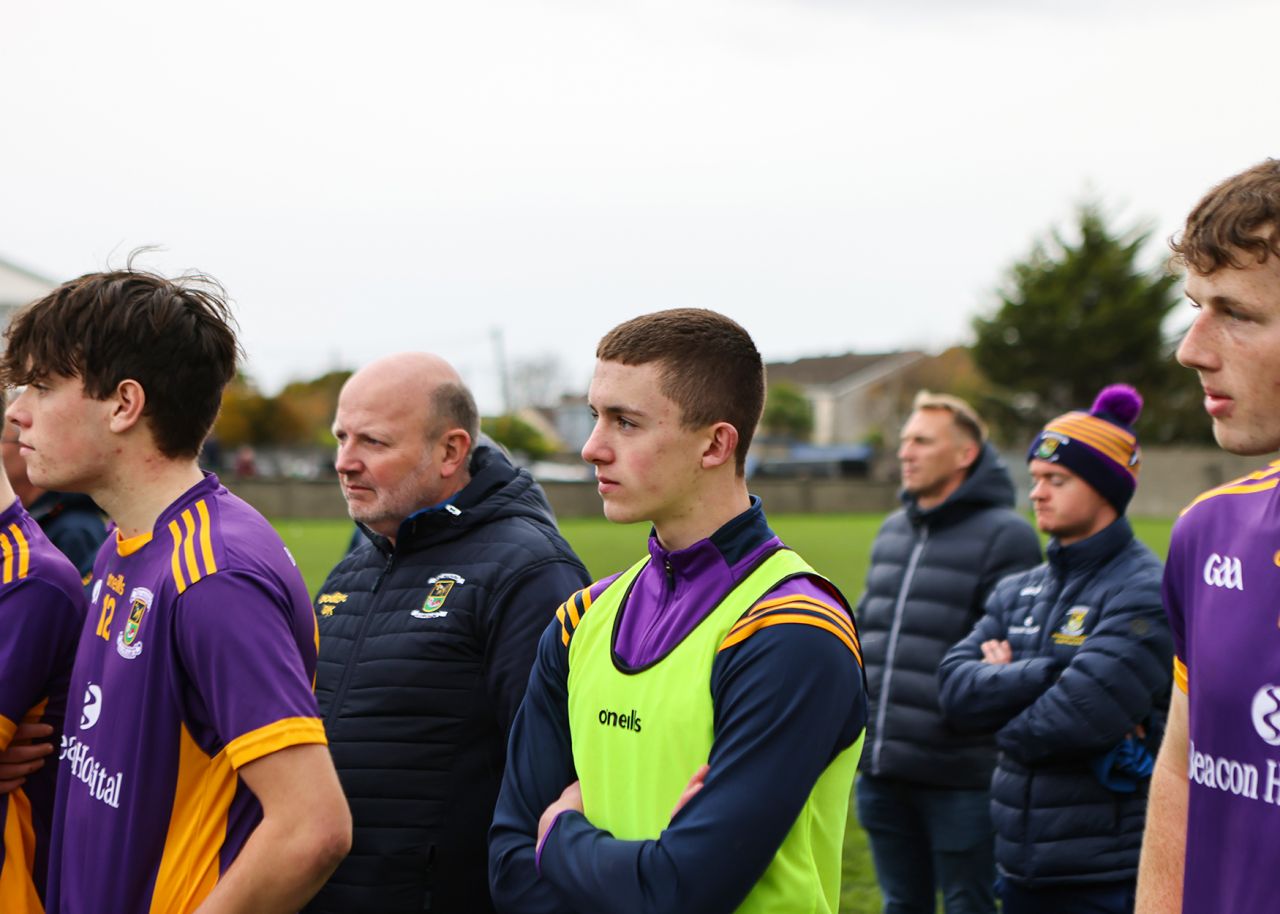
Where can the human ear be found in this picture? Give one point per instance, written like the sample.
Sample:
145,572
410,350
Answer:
721,446
127,402
456,446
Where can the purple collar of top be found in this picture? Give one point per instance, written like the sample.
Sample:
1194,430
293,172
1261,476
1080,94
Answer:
677,590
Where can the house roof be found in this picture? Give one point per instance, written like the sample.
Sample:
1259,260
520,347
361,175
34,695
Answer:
835,369
18,285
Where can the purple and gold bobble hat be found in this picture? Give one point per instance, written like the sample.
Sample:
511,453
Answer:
1098,446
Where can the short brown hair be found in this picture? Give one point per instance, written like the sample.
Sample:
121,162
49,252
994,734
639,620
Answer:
710,368
453,406
964,415
173,336
1239,216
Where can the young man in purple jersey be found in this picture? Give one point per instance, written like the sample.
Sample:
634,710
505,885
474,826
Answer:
42,609
1212,843
196,775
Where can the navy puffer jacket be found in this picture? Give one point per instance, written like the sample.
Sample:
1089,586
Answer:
425,650
1092,660
930,573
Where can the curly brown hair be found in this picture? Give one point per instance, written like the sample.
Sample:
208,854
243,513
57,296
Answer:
1235,223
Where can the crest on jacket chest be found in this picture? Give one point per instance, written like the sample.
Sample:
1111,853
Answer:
441,586
1071,632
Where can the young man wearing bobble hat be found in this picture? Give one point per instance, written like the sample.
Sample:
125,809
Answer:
1071,665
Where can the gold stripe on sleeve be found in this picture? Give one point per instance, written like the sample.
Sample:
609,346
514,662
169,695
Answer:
7,547
176,558
571,608
1247,488
291,731
189,546
564,628
783,618
800,601
7,728
1180,674
24,550
206,541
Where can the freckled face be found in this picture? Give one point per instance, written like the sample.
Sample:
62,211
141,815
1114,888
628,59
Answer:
1234,346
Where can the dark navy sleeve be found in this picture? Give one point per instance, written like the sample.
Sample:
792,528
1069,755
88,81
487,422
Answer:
539,768
515,618
1110,686
975,695
1014,548
788,699
78,535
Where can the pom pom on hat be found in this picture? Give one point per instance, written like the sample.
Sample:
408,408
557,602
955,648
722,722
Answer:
1118,403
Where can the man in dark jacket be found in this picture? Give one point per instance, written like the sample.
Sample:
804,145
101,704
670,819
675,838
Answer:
922,793
1072,662
427,634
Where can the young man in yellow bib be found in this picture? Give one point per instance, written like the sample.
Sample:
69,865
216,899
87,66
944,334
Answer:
692,725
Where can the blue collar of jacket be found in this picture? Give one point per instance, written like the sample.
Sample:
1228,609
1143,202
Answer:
1092,551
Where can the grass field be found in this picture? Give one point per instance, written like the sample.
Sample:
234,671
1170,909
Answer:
836,545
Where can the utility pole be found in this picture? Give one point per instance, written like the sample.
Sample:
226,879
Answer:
500,357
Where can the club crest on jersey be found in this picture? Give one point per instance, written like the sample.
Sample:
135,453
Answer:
127,644
441,586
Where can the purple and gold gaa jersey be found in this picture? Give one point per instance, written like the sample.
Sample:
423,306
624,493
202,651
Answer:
41,614
196,658
1220,587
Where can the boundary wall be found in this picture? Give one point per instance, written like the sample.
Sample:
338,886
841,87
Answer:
1168,480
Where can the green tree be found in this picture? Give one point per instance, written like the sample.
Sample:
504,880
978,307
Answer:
313,403
250,417
787,412
1076,315
517,436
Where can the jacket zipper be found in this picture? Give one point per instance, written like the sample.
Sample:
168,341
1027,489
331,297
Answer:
883,706
341,692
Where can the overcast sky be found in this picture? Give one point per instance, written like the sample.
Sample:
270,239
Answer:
837,176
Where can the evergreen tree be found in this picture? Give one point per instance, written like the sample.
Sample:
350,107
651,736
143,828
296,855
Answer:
1077,315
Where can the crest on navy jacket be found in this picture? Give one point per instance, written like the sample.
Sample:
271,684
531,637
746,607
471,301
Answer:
441,586
1072,630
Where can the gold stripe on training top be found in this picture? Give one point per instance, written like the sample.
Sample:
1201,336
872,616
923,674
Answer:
206,542
7,547
24,550
176,559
